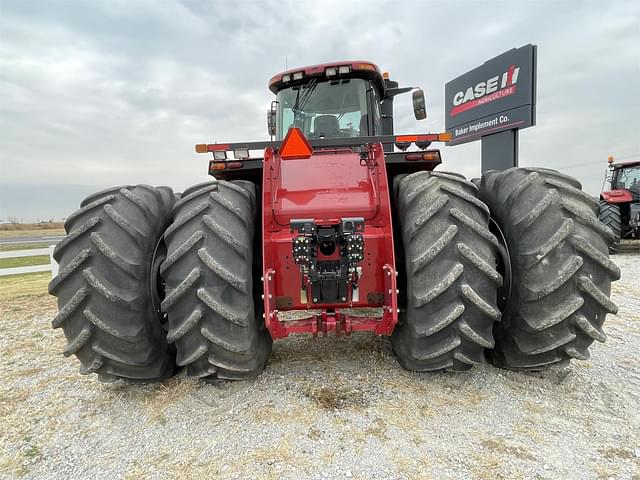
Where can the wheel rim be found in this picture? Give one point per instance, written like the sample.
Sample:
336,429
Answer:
156,282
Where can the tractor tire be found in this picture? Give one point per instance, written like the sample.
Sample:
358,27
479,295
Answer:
451,279
609,214
105,281
560,268
210,286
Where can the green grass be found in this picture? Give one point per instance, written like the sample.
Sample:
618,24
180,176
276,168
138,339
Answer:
22,246
13,287
24,261
32,232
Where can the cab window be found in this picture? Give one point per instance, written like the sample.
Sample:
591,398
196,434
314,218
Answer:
329,109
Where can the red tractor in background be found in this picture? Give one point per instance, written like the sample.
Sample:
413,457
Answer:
347,224
620,205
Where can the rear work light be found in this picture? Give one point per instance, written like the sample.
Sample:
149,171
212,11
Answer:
220,155
298,75
341,70
241,154
286,78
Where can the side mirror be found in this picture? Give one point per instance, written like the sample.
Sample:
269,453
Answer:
271,119
271,123
419,104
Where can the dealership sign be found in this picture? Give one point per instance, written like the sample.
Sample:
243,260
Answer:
499,95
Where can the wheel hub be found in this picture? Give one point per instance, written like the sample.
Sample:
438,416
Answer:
504,266
156,282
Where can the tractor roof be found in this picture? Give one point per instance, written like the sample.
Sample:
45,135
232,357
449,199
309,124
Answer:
626,163
357,68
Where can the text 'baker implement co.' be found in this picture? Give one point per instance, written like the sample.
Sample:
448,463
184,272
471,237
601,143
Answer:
501,119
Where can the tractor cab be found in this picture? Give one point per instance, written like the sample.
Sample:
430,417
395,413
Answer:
347,99
623,178
349,107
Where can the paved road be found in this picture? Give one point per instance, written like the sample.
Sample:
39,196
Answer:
51,239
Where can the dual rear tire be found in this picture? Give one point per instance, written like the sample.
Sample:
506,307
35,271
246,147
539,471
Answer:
558,265
128,248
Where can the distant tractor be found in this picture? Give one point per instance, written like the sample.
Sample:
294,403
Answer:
347,223
620,205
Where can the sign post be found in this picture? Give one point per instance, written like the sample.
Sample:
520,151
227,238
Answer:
499,150
492,102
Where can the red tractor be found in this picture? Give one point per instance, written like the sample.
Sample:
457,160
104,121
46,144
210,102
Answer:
620,206
347,224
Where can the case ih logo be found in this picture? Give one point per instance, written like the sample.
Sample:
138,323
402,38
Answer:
495,88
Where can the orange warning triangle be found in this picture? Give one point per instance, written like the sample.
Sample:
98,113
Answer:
295,145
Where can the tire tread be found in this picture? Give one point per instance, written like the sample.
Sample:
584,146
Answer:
208,277
452,280
103,284
561,270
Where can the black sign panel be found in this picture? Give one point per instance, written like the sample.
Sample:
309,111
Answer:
499,95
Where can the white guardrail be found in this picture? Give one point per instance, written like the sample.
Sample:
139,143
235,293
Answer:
52,266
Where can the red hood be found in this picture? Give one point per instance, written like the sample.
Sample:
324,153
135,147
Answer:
617,196
330,184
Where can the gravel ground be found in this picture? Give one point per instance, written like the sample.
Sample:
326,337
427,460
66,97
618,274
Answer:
328,408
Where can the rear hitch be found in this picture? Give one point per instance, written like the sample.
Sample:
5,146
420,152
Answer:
336,320
328,258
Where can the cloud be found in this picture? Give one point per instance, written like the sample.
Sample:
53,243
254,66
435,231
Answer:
101,93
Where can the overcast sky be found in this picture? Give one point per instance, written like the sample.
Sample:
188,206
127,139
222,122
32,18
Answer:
106,92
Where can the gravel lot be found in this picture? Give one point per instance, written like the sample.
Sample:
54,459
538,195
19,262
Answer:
329,408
